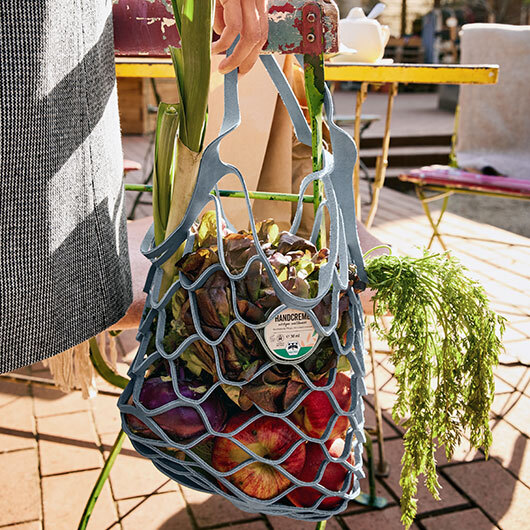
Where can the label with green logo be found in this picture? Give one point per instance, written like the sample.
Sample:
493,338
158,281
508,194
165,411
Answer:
290,336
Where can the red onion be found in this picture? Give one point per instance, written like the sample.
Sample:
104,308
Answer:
180,423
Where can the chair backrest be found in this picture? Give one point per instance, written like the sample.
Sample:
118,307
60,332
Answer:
494,129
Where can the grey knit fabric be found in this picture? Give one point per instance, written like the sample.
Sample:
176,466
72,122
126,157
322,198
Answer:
64,267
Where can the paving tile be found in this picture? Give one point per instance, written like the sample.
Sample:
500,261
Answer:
518,350
382,377
514,408
518,413
380,491
256,525
370,421
165,511
386,399
516,375
10,391
17,424
284,523
511,449
31,525
212,509
462,453
65,497
19,486
50,402
68,443
472,519
134,475
127,343
106,414
387,519
503,400
426,503
383,361
505,499
387,402
512,334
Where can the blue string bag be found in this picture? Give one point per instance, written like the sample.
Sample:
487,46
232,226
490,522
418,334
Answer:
231,413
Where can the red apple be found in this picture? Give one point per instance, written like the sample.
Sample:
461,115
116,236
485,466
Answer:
333,478
316,410
267,437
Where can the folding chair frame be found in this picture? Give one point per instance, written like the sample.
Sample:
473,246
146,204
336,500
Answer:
443,193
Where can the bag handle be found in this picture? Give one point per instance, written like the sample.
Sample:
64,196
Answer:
212,169
344,154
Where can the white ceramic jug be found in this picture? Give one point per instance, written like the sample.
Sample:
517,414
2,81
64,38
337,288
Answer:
363,34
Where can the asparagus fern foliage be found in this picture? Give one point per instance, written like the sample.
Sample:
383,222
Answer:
445,341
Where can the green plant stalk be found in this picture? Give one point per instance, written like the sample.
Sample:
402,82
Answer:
192,67
103,368
314,88
103,476
446,341
261,195
163,171
192,70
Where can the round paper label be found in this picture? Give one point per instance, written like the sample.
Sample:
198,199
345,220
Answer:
290,336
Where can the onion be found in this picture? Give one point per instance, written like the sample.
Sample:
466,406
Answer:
180,423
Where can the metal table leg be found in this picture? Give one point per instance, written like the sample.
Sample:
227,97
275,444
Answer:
382,161
361,96
383,468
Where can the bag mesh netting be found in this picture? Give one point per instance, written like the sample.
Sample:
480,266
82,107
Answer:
249,375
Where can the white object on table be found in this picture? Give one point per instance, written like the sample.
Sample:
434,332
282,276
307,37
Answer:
363,34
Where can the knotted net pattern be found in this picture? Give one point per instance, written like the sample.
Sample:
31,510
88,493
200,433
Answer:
180,459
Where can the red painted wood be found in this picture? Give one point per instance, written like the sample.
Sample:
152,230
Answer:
147,28
457,178
144,28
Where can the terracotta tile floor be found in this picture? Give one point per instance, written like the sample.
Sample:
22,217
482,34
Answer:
52,445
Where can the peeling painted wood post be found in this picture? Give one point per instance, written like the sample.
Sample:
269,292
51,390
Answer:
147,28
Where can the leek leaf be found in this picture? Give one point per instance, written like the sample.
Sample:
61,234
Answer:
164,167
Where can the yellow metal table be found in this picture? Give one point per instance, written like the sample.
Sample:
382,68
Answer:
394,74
365,74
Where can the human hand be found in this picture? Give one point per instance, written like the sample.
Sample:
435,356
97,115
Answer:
249,20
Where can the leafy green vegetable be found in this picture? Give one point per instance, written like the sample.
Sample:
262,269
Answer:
296,263
207,230
446,341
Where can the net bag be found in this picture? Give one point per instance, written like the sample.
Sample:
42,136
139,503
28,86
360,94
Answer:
249,375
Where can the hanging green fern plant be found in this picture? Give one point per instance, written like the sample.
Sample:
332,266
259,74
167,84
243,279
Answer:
445,341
